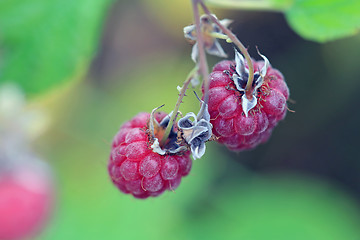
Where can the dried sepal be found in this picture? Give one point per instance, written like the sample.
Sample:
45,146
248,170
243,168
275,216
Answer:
241,70
172,146
153,123
210,33
240,79
247,104
156,147
262,72
195,52
197,131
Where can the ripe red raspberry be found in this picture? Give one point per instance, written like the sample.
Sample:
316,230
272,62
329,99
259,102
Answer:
25,203
136,169
231,126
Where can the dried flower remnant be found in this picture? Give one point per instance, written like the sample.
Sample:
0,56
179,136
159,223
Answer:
240,78
210,32
196,132
157,130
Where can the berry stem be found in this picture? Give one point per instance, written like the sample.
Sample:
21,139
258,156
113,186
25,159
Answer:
203,66
177,105
236,41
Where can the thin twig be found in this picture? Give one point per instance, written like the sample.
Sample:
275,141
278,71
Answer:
203,66
177,106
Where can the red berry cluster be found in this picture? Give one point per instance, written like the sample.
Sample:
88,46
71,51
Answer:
230,125
239,109
136,169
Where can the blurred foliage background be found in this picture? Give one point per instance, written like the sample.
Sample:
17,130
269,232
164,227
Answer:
92,65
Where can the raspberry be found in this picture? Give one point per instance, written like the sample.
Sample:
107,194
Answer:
25,203
230,124
136,169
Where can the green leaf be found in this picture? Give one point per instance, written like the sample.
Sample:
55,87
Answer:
324,20
316,20
44,43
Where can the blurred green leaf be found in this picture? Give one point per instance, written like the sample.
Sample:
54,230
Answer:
279,208
316,20
324,20
45,43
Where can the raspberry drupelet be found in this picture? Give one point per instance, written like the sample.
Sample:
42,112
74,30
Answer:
135,168
233,125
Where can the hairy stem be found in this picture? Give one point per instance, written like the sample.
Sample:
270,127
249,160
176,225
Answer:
177,105
237,42
201,67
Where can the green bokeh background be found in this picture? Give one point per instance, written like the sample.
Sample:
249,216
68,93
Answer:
123,57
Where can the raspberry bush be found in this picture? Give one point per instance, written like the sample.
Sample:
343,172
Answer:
242,102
